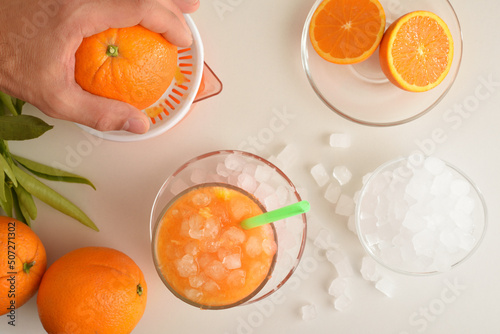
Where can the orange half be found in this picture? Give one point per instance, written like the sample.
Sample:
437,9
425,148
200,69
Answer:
347,31
417,51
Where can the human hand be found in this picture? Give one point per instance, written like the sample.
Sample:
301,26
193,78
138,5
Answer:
38,41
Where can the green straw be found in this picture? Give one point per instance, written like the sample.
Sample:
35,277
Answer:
275,215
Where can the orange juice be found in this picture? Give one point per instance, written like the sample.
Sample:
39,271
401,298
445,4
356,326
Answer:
203,254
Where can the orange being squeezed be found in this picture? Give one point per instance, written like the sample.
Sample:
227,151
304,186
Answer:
203,254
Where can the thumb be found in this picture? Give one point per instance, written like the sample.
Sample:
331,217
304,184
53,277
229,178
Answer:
103,114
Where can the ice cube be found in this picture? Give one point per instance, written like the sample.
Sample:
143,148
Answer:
465,204
288,156
199,175
424,242
234,162
269,246
247,182
232,261
253,246
339,287
222,170
233,236
340,262
345,206
178,185
211,228
216,271
211,287
386,286
196,225
332,192
351,224
369,269
340,140
263,173
308,312
249,168
197,281
264,190
450,240
342,303
201,199
342,174
236,278
272,202
441,184
434,165
186,266
320,174
193,294
459,187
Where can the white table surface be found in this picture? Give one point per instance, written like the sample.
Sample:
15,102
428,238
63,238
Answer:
254,48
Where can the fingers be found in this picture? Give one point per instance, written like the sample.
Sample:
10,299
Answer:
187,6
161,16
98,112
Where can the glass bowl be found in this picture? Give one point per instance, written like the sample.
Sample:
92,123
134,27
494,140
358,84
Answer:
420,216
176,102
254,175
361,92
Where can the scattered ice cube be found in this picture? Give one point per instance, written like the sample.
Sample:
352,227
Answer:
342,303
351,224
345,206
288,156
339,287
340,140
369,269
386,286
340,262
320,174
342,174
332,192
308,312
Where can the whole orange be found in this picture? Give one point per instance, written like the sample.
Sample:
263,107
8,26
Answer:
133,65
22,264
92,290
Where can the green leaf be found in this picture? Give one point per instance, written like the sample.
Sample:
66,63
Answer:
2,179
7,101
51,197
22,127
26,202
18,211
9,201
19,104
51,173
8,170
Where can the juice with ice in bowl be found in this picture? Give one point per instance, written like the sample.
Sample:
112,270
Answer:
201,251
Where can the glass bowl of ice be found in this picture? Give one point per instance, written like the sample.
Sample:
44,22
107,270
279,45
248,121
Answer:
201,252
420,215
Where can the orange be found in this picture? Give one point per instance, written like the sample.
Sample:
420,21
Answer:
22,264
417,51
92,290
133,65
347,31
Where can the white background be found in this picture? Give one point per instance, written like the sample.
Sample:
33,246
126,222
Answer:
254,48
